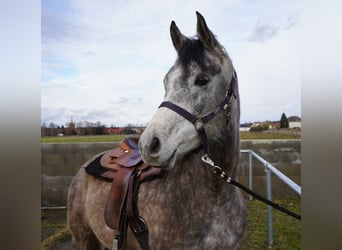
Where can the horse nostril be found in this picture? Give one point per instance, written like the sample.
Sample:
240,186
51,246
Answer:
155,145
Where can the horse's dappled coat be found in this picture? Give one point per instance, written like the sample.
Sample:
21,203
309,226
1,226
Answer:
190,208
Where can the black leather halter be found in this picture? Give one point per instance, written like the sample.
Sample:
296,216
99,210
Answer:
199,122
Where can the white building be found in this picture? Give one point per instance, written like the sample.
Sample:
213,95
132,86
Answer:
295,122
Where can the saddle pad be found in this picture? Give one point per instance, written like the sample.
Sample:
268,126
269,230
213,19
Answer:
95,169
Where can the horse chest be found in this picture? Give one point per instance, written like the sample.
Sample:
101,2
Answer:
181,218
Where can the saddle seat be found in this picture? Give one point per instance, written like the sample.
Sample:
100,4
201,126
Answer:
124,167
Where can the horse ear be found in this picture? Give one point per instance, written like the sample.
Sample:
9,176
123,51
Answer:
204,34
178,39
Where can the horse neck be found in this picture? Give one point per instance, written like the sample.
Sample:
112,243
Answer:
226,157
225,150
193,177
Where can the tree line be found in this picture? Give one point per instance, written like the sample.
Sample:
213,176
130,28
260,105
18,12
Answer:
91,128
81,128
73,128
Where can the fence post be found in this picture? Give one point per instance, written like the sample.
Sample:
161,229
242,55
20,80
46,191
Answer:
250,174
269,169
269,208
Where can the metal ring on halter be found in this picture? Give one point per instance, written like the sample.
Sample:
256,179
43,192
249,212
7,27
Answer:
199,124
218,170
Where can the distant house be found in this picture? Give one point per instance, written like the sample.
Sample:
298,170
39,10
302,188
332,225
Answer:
245,126
125,130
245,129
295,122
275,125
115,131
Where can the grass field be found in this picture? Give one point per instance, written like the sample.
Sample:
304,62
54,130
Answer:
276,134
271,134
286,230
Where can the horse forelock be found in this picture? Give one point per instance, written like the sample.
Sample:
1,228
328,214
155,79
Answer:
210,61
192,50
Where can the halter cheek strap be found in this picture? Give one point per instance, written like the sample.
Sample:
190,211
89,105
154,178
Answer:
199,122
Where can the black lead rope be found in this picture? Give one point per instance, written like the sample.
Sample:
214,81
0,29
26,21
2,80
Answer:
268,202
218,170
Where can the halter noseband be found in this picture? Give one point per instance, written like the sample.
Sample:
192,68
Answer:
199,122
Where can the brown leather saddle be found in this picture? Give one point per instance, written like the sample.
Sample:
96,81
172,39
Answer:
127,170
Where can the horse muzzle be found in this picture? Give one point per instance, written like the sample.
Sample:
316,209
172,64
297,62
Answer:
163,143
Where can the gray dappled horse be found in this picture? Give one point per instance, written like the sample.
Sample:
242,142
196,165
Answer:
190,207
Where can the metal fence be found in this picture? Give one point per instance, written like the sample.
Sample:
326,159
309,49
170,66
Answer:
269,169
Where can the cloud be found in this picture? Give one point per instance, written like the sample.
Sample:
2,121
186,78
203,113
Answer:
291,21
106,60
59,24
264,32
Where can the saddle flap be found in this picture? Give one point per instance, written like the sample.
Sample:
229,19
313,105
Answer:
116,198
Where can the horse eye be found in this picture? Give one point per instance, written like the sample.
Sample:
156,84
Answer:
201,80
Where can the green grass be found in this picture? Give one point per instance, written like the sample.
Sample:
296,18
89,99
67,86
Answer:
283,134
286,230
267,135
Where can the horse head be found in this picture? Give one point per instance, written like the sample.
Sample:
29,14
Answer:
197,83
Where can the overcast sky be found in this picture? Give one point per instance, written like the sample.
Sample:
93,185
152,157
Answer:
105,60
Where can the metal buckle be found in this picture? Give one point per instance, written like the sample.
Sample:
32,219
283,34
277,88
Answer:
115,244
138,226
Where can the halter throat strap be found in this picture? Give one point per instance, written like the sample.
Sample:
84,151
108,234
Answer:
199,122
